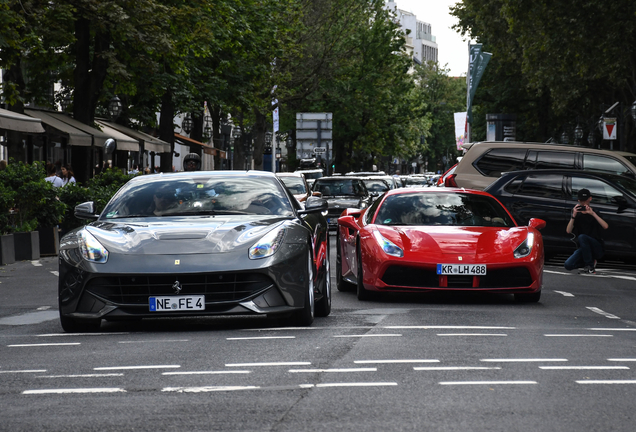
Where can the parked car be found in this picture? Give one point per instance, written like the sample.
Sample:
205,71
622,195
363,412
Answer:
486,161
430,239
417,180
196,243
297,185
379,184
342,192
551,195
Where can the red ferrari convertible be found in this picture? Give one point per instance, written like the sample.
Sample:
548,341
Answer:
417,240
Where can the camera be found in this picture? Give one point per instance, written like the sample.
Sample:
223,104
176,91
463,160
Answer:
581,208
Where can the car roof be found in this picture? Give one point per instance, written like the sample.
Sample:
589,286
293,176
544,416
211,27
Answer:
550,146
313,170
204,174
290,174
340,178
434,190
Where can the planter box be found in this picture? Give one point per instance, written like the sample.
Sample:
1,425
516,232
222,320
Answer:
49,241
7,249
27,246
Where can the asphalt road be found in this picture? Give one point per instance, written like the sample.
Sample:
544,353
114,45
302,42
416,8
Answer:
433,362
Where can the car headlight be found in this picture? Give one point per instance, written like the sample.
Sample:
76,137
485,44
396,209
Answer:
524,249
92,249
268,244
388,246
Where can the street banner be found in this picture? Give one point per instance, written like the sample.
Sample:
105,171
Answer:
275,115
609,128
460,129
478,60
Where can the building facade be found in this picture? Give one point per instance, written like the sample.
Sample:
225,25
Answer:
420,42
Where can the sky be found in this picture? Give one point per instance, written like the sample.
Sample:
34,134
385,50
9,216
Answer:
453,51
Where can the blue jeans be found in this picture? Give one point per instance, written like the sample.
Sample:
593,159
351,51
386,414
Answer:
589,250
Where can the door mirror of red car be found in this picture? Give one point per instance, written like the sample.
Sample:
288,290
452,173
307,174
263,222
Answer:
536,223
348,222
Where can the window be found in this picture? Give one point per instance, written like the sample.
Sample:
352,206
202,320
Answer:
550,159
500,160
546,186
592,162
602,192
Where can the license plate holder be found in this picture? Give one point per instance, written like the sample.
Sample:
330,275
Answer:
176,303
461,269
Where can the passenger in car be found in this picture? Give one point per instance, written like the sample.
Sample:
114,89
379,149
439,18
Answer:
587,226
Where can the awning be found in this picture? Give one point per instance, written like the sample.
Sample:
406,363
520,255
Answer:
10,120
149,142
206,148
76,137
62,123
124,142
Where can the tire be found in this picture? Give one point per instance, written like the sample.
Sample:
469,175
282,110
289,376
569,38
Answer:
341,284
362,293
305,316
73,325
323,306
528,298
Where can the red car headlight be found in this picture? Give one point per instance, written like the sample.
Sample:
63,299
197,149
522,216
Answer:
388,246
524,249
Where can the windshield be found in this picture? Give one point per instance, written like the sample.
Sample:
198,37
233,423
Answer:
416,181
312,175
452,209
296,185
214,195
344,187
376,185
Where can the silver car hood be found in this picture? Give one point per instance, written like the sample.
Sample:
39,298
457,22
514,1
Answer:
182,235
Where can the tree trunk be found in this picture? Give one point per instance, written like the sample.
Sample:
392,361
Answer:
14,139
166,129
258,133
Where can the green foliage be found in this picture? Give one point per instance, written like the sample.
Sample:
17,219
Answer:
7,203
34,199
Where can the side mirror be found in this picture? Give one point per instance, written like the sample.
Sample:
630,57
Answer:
317,194
86,211
348,222
314,205
619,200
536,223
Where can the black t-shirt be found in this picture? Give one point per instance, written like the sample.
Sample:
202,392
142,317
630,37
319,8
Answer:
587,224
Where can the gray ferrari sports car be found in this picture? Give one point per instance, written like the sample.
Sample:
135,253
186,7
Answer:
196,243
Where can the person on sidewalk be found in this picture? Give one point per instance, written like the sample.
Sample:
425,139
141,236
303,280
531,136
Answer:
52,177
588,227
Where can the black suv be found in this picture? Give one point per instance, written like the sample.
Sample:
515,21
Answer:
551,194
341,193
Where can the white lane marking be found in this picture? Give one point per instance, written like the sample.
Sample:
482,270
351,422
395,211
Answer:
55,273
41,308
82,375
451,327
23,371
137,367
471,334
296,328
454,368
36,317
622,359
358,384
207,389
613,329
485,382
79,334
334,370
556,272
44,344
606,382
206,372
623,277
394,361
75,390
564,294
369,335
510,360
602,312
154,341
261,337
577,335
583,367
36,263
268,364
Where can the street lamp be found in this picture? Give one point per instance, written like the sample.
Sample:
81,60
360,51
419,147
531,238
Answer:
115,107
564,138
186,124
207,130
632,111
578,133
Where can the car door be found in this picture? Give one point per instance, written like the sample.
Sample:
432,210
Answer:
620,236
542,196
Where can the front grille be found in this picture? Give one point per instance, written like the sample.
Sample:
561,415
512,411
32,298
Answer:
410,277
404,276
514,277
217,288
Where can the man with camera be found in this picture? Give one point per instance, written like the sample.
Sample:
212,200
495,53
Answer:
587,226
